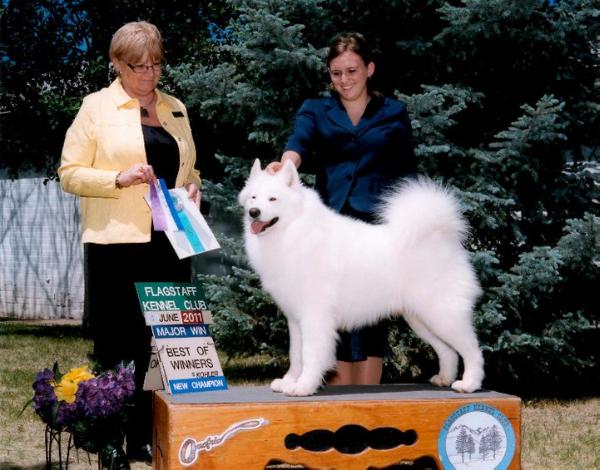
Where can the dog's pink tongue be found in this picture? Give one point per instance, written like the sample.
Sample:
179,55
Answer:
257,226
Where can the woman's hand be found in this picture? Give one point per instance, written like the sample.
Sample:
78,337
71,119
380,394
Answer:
194,193
137,174
274,167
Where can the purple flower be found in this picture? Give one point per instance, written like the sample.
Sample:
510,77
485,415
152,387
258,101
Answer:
44,399
107,394
97,399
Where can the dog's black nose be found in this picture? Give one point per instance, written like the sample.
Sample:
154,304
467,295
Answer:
254,212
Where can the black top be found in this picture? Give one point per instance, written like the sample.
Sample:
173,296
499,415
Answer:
162,153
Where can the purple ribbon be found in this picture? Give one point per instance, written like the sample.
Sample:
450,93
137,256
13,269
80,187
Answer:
158,216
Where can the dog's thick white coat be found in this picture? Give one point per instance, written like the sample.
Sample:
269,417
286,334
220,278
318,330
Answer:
329,272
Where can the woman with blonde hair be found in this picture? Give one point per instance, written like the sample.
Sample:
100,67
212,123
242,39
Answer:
123,137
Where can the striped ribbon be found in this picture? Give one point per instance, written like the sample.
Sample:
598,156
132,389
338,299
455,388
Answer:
181,220
191,234
170,205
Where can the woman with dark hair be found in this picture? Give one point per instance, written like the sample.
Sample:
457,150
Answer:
359,144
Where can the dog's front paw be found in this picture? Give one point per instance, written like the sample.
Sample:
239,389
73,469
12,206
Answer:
466,386
300,389
278,385
440,381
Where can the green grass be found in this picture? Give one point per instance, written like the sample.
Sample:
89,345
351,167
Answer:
24,350
555,434
561,434
28,347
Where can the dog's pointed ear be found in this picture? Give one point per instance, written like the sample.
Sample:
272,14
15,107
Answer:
255,168
290,174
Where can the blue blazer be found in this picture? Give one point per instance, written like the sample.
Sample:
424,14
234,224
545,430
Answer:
354,164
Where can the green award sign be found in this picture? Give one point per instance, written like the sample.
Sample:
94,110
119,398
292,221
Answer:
179,319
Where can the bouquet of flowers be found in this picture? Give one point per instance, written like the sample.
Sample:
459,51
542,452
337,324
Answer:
92,407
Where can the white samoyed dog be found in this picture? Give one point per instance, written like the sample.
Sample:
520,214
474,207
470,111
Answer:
329,272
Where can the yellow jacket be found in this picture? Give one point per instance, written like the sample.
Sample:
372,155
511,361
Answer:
105,138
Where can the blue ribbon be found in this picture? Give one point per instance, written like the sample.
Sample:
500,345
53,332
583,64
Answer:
170,205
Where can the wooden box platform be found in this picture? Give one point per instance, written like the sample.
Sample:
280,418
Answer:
343,427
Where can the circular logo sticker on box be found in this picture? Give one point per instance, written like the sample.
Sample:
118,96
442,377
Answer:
476,437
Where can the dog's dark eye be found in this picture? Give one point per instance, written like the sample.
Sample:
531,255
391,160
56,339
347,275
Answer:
253,197
272,199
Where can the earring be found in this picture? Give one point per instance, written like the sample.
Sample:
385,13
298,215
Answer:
112,72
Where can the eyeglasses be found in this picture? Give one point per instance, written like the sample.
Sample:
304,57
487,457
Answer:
141,68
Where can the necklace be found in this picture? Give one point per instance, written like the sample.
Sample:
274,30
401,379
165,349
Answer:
144,109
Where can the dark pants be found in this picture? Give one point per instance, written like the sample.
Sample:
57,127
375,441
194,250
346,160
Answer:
117,324
359,344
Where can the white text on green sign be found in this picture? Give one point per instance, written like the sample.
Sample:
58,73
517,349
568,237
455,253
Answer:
169,296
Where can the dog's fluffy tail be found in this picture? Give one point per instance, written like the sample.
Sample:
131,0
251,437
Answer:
417,208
